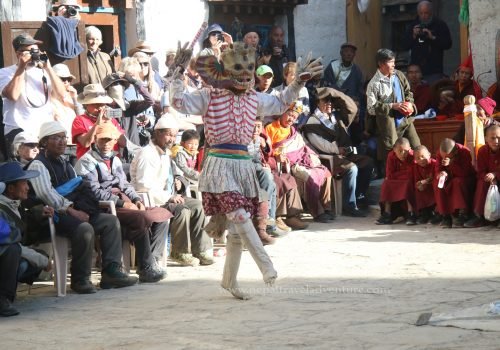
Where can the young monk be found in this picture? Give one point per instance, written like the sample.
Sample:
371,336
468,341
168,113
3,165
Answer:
423,174
396,188
454,199
488,171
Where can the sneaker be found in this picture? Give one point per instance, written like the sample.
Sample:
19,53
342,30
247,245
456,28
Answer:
330,214
384,219
113,276
275,231
446,222
185,259
159,269
282,225
411,219
324,218
436,219
205,258
295,223
476,221
354,212
459,221
6,307
150,275
83,287
423,219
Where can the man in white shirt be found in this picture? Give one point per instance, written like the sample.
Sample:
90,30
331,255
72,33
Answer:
27,88
153,171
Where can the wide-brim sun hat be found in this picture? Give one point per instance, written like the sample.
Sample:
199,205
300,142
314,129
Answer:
94,94
13,171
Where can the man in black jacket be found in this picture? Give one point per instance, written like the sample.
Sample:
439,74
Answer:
427,38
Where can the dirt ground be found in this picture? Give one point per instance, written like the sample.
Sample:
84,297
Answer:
348,285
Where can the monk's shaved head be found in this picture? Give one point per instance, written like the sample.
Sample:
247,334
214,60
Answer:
492,128
447,145
421,148
402,141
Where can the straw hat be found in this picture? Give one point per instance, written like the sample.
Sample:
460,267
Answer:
94,93
141,46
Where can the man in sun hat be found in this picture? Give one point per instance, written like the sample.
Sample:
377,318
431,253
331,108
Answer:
31,73
95,100
13,188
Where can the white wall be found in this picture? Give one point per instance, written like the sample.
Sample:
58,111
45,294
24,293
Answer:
167,22
33,10
320,27
483,26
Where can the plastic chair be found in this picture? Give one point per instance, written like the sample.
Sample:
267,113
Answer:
60,249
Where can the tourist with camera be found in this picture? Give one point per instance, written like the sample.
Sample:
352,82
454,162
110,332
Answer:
27,88
427,38
68,9
326,131
216,40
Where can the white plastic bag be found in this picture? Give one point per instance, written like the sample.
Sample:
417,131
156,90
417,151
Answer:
492,204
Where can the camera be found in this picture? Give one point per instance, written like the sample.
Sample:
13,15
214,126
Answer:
113,112
350,150
71,11
36,56
220,37
421,36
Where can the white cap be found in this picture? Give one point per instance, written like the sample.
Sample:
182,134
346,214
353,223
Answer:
22,138
62,71
167,121
51,128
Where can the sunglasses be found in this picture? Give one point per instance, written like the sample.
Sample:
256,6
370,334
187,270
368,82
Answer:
67,79
144,64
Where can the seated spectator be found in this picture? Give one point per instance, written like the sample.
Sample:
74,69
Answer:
420,89
94,99
396,195
326,130
25,147
13,188
454,199
286,207
265,77
216,40
293,155
288,77
153,171
99,63
144,47
145,227
185,155
423,170
66,110
139,114
20,111
485,108
78,213
488,160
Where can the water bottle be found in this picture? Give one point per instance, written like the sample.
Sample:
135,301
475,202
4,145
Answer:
442,179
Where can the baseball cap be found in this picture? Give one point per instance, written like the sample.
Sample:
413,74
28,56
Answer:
24,40
263,69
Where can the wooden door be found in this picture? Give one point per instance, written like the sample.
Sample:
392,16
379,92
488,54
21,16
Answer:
77,65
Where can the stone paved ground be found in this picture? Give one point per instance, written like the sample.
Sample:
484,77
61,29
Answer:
350,285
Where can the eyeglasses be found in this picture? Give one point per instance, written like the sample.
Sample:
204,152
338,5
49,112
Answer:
58,138
144,64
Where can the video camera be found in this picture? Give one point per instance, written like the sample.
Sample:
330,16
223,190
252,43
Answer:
36,56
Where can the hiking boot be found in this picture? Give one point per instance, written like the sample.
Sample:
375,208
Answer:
83,287
411,219
205,258
476,221
184,259
295,223
384,219
282,225
6,307
113,276
459,221
436,219
446,222
150,275
324,218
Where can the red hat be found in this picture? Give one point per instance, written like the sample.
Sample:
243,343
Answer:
468,64
487,104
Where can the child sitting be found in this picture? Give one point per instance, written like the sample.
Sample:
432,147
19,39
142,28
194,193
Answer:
185,155
396,187
457,176
488,170
423,175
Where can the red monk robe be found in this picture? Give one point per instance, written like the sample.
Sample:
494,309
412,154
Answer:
424,199
397,184
458,190
487,162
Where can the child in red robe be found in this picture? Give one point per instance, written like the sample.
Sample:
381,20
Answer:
397,189
423,174
488,171
453,200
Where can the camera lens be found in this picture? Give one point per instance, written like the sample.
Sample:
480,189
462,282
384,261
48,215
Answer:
71,11
35,55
